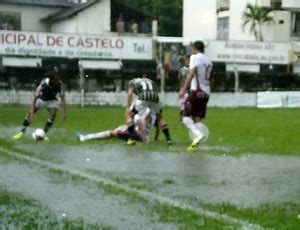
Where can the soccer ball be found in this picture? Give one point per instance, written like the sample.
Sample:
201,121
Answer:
203,129
38,135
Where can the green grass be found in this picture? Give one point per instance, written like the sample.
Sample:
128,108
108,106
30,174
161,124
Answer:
251,130
245,130
19,212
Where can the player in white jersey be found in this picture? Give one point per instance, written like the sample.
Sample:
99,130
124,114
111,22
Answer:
199,79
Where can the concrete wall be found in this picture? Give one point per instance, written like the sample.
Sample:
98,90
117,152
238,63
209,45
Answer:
200,20
119,98
291,3
31,15
280,30
95,20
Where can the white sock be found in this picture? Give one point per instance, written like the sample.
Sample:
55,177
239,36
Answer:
189,123
100,135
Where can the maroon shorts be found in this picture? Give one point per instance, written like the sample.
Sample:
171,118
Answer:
195,104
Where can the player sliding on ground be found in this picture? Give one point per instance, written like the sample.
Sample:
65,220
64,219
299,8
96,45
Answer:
143,122
147,97
46,97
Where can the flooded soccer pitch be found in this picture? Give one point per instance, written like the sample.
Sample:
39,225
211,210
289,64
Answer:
113,186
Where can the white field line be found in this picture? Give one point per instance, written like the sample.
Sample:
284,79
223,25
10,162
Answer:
145,194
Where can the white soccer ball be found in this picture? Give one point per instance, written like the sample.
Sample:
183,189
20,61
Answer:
38,134
203,129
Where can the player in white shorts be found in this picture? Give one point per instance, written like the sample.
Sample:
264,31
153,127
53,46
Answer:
45,97
144,122
146,92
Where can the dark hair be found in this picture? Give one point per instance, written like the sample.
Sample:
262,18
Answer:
199,45
52,71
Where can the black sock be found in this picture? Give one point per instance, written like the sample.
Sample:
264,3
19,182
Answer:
25,124
48,124
165,130
130,128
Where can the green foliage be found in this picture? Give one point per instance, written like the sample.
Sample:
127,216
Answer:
256,16
167,12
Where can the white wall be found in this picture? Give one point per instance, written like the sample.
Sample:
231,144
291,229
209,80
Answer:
30,15
278,32
235,21
96,18
199,19
291,3
119,98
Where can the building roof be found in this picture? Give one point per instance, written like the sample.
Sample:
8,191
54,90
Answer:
65,13
57,3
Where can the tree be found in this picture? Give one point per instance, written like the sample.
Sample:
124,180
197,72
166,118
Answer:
167,12
257,16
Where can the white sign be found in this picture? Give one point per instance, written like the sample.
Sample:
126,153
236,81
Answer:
75,46
290,99
248,52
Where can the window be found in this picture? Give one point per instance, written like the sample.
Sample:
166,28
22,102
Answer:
10,20
223,28
223,5
296,24
276,4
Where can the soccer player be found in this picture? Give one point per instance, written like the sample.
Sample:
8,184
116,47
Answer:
147,97
199,79
46,97
141,133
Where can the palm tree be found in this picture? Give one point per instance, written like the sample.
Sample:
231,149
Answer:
256,16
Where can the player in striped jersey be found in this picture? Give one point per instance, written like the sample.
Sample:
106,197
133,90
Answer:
46,97
147,97
143,123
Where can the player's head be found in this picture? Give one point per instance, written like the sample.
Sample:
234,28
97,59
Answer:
54,74
198,46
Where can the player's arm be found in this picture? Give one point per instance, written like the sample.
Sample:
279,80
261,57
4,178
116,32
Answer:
129,97
128,112
188,80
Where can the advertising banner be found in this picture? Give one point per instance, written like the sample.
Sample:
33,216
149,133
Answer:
290,99
248,52
19,43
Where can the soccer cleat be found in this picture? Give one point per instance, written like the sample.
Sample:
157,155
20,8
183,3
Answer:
130,142
169,142
46,138
195,143
80,136
18,136
192,148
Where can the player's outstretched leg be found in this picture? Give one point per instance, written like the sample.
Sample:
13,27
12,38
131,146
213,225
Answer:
25,124
94,136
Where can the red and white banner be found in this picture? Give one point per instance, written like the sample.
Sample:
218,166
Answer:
75,46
